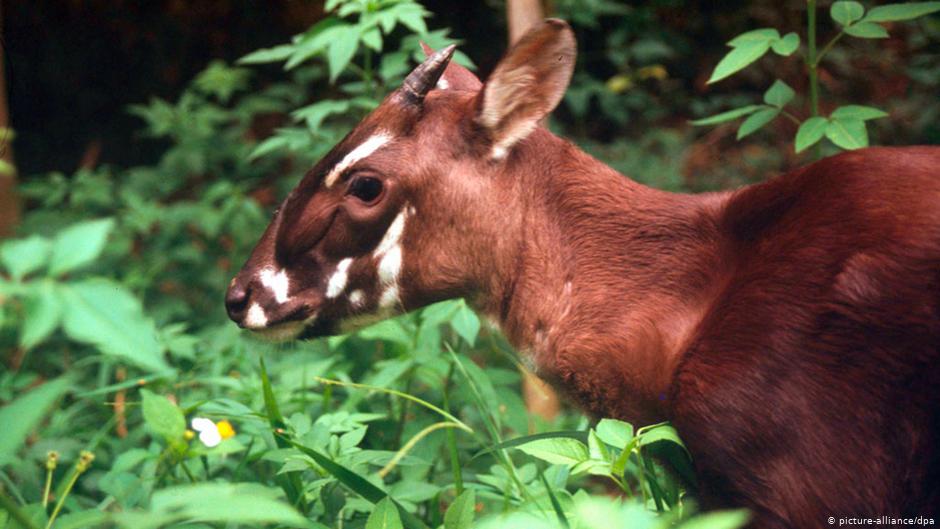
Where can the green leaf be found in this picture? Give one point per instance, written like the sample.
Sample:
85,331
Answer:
779,94
756,121
162,416
314,114
23,256
717,520
615,433
341,51
810,132
739,58
83,519
846,12
460,513
867,30
103,313
79,245
466,323
579,435
858,112
755,35
266,55
373,39
786,45
896,12
727,116
43,312
238,503
22,415
384,516
559,451
847,133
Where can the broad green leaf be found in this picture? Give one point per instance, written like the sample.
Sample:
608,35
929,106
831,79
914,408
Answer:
341,51
103,313
162,416
83,520
596,448
659,432
858,112
78,245
23,256
466,323
717,520
739,58
239,503
460,513
867,30
786,45
43,312
756,121
579,435
22,415
314,114
846,12
755,35
615,433
810,132
727,116
847,133
896,12
373,39
559,451
266,55
384,516
779,94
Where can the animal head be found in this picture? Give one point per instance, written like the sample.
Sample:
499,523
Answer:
412,206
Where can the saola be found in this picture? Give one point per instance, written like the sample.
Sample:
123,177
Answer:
789,329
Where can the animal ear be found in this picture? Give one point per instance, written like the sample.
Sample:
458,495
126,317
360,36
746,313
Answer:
455,76
527,84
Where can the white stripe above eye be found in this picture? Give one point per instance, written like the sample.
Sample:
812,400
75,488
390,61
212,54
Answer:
364,150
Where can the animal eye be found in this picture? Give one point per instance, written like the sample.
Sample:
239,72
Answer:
365,188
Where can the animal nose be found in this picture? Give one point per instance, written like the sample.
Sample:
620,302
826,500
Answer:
236,301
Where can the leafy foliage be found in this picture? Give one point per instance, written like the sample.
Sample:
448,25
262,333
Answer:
845,127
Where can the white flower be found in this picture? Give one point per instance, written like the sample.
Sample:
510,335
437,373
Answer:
208,431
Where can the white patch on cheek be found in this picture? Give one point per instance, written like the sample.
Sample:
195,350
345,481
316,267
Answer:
392,236
357,298
442,84
339,278
256,318
365,149
390,266
277,282
389,297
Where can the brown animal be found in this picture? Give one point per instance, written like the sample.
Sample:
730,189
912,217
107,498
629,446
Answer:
790,330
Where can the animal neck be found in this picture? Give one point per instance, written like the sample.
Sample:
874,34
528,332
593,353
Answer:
609,280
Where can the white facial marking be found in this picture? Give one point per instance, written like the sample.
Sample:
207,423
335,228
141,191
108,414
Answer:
390,257
389,297
338,280
277,282
390,266
363,150
442,84
356,298
256,318
498,153
392,236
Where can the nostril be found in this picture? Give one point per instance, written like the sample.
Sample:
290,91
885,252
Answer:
236,301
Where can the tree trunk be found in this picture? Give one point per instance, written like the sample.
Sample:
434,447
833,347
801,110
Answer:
9,205
539,398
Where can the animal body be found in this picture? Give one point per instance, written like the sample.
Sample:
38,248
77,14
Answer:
790,330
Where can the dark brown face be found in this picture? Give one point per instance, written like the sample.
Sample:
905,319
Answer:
412,206
335,246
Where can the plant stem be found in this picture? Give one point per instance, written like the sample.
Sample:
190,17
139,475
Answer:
58,504
452,438
791,117
826,48
11,507
811,61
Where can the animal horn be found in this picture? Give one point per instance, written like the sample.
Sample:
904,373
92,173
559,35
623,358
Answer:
423,78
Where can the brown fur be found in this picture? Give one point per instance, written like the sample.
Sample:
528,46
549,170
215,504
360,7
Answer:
790,330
